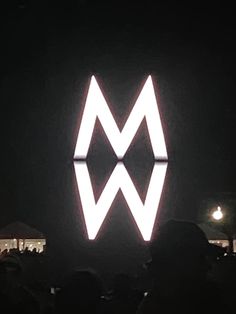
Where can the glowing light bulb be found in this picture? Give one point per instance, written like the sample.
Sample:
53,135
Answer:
217,214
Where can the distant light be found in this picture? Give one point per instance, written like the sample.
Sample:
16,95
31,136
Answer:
14,240
217,214
39,242
5,244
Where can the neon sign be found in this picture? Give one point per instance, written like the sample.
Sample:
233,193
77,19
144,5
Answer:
145,107
144,214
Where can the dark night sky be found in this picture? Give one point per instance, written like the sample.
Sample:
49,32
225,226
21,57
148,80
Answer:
49,52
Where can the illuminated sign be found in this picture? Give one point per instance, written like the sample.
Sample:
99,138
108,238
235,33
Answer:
96,106
144,214
145,107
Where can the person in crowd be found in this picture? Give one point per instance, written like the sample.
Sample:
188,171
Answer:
19,298
80,293
123,297
179,269
223,273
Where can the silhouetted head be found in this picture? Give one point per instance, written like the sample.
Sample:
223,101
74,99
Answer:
179,252
81,291
11,269
12,263
122,284
3,276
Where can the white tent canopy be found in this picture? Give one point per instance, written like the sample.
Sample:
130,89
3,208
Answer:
21,236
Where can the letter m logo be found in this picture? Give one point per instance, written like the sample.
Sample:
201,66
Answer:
97,107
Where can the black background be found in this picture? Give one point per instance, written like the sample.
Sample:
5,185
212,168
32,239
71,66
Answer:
49,52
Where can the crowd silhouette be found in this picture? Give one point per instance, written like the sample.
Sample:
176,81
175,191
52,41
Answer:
186,274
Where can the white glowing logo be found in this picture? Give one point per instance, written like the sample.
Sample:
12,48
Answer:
96,107
95,213
144,214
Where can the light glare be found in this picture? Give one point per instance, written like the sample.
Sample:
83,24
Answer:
217,214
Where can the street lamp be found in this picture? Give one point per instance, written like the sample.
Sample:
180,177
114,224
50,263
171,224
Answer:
217,214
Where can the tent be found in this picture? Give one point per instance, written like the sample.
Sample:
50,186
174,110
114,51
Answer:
18,235
215,236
